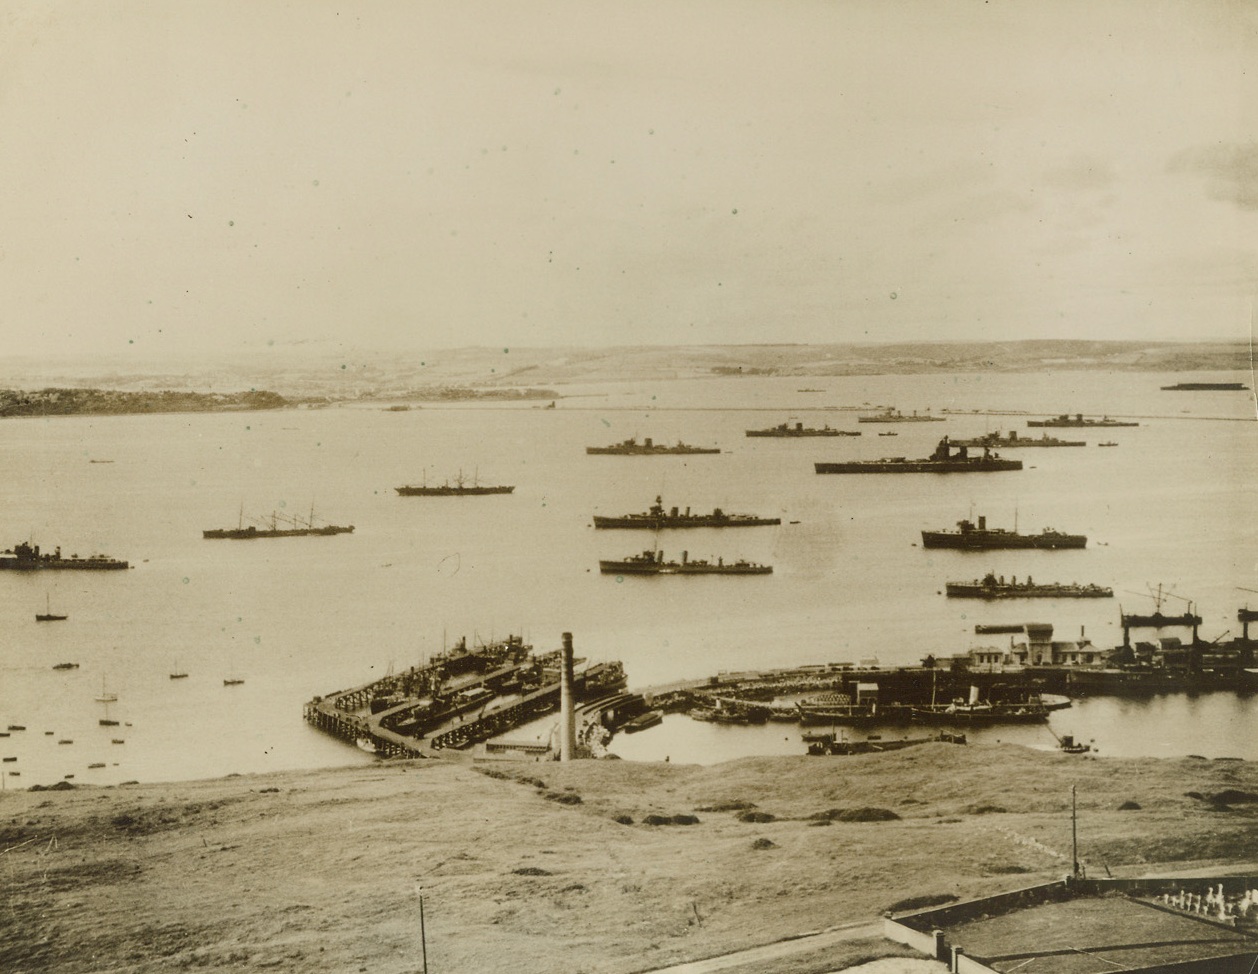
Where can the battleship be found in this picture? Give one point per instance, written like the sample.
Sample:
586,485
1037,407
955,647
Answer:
657,518
460,488
943,460
980,537
277,526
1012,439
895,416
992,587
1078,420
648,447
28,557
653,563
799,429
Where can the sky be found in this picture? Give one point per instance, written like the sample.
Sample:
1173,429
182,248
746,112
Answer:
202,177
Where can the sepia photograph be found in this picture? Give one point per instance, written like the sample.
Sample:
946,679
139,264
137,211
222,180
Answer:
589,487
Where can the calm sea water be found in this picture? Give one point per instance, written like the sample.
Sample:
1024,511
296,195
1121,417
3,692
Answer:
1174,504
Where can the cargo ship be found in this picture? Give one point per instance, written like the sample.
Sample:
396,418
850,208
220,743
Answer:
27,557
895,416
277,525
943,460
980,537
992,587
1012,439
1206,387
648,447
657,518
799,429
1078,420
460,488
982,713
653,563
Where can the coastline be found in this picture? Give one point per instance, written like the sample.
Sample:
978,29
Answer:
273,871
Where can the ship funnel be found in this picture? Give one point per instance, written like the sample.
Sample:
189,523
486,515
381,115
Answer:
973,695
982,522
648,441
568,721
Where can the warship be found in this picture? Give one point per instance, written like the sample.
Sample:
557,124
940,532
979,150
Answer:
980,537
1206,387
653,563
1078,420
657,518
460,488
992,587
27,557
1012,439
799,429
895,416
943,460
648,447
277,526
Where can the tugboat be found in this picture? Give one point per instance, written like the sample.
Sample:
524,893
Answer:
26,557
653,563
799,429
970,537
270,527
48,615
1013,440
1078,420
460,488
943,460
895,416
647,448
991,587
657,518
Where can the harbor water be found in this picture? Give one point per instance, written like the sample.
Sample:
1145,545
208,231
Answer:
1174,504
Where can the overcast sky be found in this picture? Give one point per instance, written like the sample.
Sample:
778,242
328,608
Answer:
197,177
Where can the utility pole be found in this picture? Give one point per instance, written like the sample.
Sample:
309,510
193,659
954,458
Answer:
423,937
1074,841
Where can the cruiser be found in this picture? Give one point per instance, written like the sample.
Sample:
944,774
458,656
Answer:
895,416
657,518
991,587
943,460
632,448
1077,420
799,429
1012,439
653,563
980,537
27,557
277,526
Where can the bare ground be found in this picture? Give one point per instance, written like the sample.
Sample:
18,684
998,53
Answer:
276,872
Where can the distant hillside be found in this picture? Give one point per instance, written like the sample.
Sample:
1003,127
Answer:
334,372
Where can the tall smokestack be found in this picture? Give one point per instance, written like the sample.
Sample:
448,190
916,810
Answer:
568,725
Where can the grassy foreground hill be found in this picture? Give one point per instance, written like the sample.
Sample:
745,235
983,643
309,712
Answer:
536,868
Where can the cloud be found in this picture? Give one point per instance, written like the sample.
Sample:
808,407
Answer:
1231,171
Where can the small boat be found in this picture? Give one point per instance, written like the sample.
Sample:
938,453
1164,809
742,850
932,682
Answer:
366,744
17,727
15,774
889,433
106,722
10,759
47,615
105,695
65,740
97,764
177,673
65,666
649,719
117,740
1068,745
232,682
1108,443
